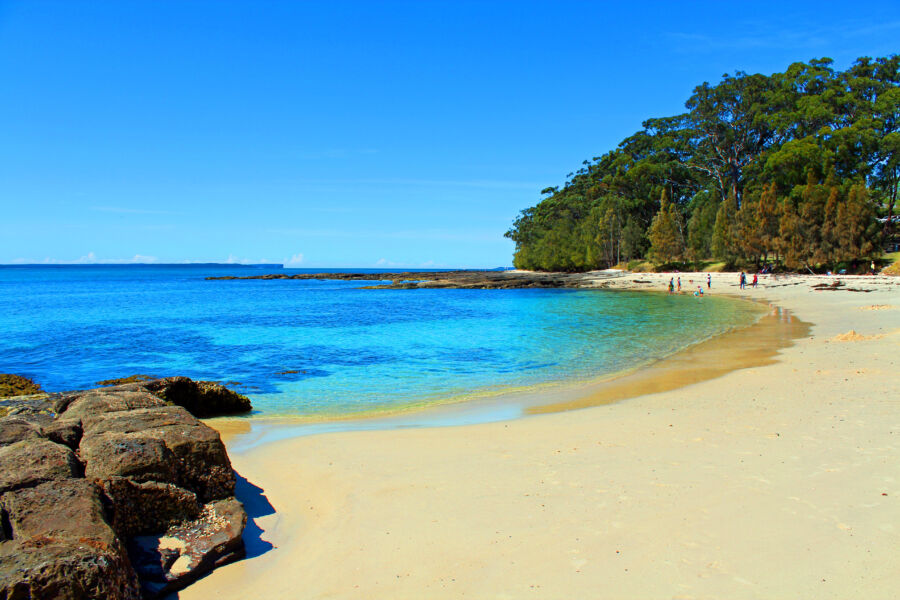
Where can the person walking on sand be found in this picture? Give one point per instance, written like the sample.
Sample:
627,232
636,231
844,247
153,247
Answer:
755,279
672,285
708,281
743,279
679,285
872,266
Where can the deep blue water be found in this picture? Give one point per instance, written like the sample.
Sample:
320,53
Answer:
355,350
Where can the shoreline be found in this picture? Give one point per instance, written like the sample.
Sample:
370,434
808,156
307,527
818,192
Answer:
771,334
699,492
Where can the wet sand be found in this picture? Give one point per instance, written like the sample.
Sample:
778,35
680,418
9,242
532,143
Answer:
754,346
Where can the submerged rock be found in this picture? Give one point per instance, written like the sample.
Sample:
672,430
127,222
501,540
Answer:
16,385
129,379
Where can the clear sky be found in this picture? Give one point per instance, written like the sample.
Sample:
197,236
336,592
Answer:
349,134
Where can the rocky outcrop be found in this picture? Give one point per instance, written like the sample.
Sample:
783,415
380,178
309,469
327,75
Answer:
183,552
60,546
447,279
115,493
201,398
34,461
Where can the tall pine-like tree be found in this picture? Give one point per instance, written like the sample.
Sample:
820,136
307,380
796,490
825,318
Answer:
666,238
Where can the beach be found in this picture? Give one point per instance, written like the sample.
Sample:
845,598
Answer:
772,481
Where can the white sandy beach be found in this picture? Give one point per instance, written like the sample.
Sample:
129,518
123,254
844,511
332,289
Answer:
780,481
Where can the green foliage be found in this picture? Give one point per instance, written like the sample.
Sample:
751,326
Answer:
666,238
791,167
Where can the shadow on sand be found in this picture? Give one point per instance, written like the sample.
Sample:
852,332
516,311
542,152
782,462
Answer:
257,505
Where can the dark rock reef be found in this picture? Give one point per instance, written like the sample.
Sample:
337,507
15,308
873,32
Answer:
479,280
117,492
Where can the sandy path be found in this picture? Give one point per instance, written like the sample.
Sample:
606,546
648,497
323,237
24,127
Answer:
780,481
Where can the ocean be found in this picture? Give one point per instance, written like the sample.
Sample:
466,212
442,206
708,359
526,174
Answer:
325,349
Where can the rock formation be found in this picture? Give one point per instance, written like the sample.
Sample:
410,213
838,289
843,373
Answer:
117,492
448,279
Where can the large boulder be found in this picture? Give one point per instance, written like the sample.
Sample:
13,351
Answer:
34,461
60,546
202,399
94,403
164,444
142,508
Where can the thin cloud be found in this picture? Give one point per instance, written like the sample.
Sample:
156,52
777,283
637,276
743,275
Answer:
89,259
235,260
124,210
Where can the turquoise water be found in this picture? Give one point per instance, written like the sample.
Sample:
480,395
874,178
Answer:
353,350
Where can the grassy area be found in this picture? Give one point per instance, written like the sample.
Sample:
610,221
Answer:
645,266
892,262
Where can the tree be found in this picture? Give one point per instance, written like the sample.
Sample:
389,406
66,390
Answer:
700,226
731,126
666,240
724,240
790,236
634,242
767,220
855,226
789,145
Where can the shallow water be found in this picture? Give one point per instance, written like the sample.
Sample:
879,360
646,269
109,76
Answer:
349,351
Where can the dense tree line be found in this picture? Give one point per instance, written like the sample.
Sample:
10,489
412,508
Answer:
793,168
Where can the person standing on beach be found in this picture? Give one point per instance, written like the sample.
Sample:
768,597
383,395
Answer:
743,279
672,285
679,285
708,281
872,266
755,279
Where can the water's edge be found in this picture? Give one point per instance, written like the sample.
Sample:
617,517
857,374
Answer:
753,345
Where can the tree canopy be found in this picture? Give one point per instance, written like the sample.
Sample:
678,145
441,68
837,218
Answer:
793,167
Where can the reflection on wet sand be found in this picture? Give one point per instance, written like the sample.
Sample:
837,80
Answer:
753,346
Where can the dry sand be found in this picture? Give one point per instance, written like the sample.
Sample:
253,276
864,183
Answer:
773,481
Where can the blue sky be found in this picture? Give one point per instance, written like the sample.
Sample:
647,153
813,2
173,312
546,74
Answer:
348,134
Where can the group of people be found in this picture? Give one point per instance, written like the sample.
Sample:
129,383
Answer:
744,280
675,283
698,292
